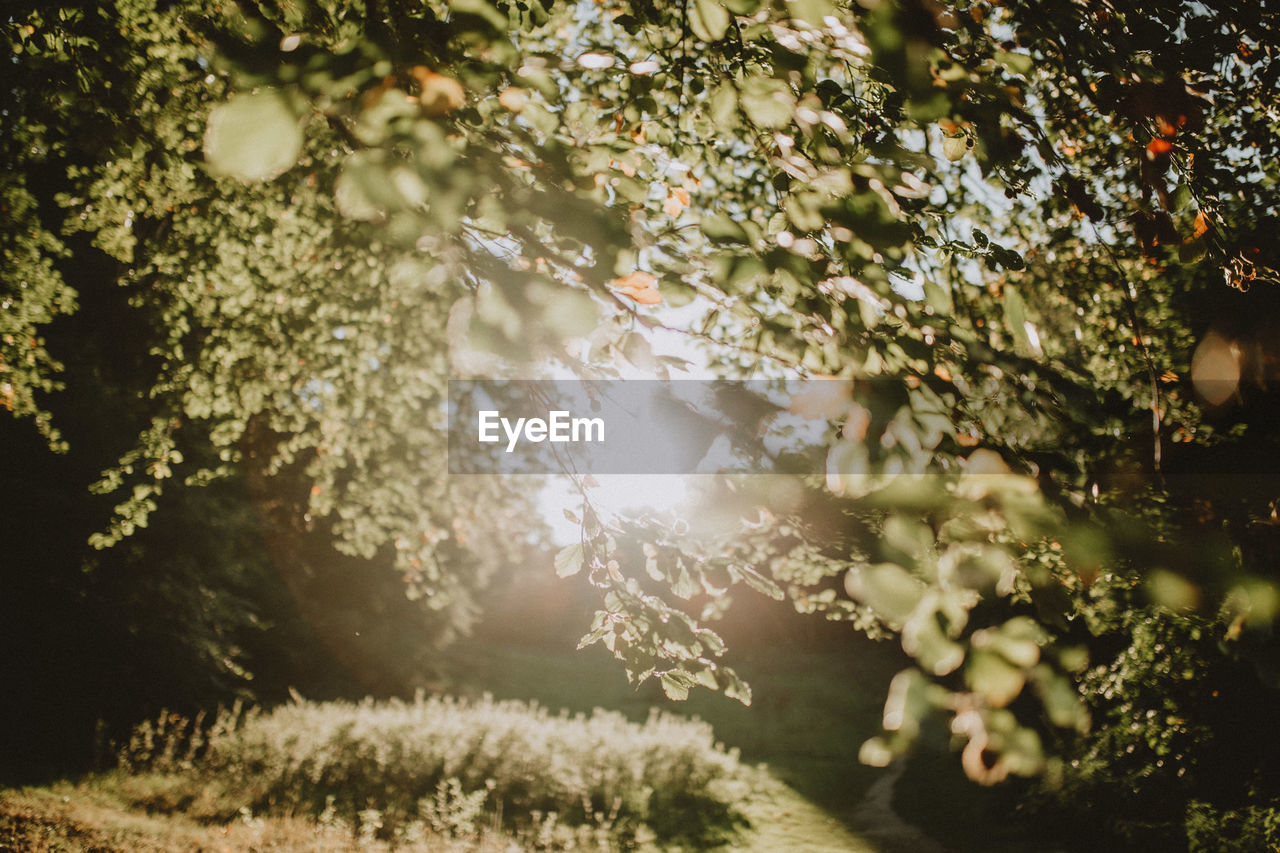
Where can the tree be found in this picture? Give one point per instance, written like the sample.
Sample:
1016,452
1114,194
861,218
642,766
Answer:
195,605
1022,214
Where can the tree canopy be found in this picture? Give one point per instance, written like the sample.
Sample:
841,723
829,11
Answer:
1035,238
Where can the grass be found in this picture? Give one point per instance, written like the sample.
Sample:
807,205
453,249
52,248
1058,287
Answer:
342,776
359,777
92,818
810,713
397,769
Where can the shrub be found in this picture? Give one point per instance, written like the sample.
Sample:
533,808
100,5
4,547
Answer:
444,763
1252,829
1183,752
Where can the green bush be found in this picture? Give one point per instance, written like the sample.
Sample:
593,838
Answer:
444,763
1183,753
1253,829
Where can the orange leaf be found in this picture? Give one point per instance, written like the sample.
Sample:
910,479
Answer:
438,94
1201,225
677,200
647,297
1158,148
639,278
513,99
640,286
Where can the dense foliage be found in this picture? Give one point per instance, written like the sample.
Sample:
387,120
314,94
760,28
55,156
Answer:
1033,237
451,765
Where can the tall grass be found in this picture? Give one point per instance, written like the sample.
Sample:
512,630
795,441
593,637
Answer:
448,766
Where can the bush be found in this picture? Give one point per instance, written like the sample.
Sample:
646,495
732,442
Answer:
1183,752
445,763
1253,829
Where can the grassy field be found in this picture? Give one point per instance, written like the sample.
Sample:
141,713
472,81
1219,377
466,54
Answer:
259,786
809,715
799,785
92,817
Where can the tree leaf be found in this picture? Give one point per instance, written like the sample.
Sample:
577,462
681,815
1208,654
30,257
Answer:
674,686
990,675
569,560
253,137
1018,63
709,20
761,584
768,102
955,147
734,686
640,286
719,228
887,588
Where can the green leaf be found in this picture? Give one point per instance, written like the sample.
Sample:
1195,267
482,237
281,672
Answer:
875,752
364,190
886,588
481,9
1061,700
569,560
761,584
1192,251
676,293
990,675
252,137
910,536
595,636
803,209
1015,315
674,686
723,106
570,313
768,102
923,638
955,147
1018,641
719,228
709,20
682,583
812,12
734,687
938,297
1018,63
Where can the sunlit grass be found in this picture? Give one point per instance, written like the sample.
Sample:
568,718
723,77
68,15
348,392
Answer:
406,769
811,712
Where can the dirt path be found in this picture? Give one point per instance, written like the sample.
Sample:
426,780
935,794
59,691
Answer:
783,820
875,820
